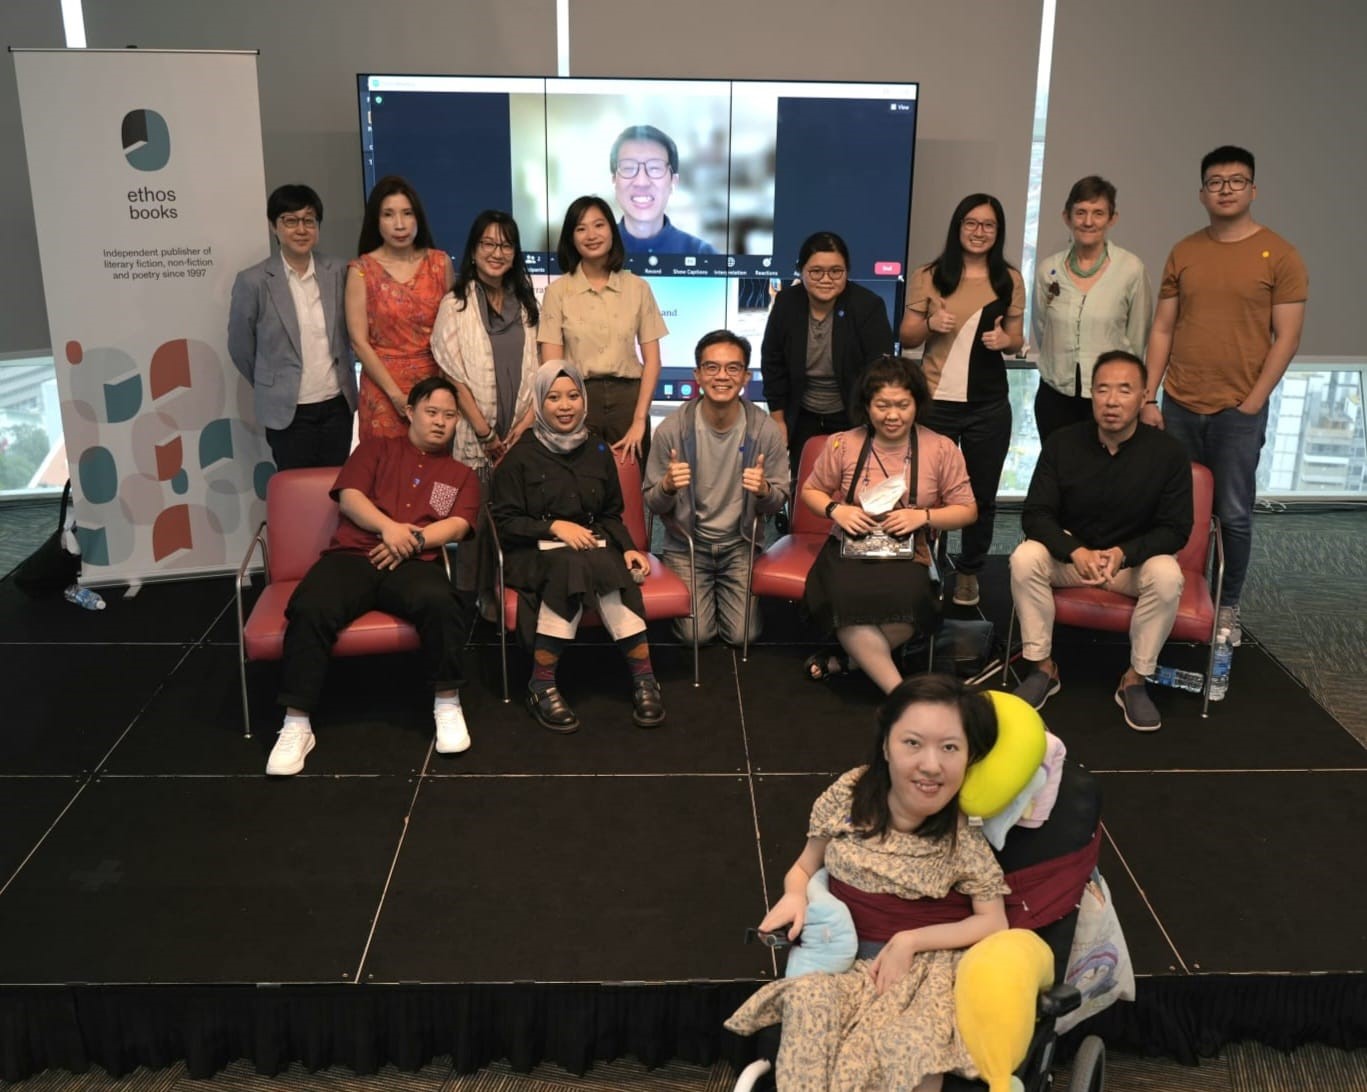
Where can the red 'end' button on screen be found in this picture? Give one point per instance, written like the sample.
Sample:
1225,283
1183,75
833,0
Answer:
887,269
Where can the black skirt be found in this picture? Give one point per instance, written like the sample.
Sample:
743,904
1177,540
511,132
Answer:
856,592
565,576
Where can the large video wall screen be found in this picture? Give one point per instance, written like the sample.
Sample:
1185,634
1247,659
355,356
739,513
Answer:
714,212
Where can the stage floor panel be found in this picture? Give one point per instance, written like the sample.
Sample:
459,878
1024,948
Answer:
574,879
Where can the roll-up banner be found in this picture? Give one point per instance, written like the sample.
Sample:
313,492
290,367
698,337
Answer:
148,195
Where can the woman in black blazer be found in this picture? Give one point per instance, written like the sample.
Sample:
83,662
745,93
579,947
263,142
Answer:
821,334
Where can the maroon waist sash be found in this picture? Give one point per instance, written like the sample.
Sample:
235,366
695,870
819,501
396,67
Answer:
1040,894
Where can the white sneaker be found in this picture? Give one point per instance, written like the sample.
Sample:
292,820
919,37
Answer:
1229,619
452,735
292,746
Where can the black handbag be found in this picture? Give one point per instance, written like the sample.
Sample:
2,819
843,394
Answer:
49,570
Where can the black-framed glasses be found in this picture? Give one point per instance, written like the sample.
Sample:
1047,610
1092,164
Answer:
494,246
987,227
817,273
630,168
712,368
1237,183
308,223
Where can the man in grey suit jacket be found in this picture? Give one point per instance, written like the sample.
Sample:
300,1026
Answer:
287,335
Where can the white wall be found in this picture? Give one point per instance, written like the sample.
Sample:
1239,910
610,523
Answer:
1168,80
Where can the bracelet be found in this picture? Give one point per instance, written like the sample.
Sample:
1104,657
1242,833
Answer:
830,509
486,437
1151,402
928,523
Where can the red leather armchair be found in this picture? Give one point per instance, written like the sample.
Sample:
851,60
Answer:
300,520
1097,608
781,571
663,593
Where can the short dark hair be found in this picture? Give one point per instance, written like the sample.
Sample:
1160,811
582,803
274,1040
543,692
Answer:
719,337
894,371
388,186
869,811
1120,356
567,254
1091,188
645,132
821,242
293,197
425,388
1227,153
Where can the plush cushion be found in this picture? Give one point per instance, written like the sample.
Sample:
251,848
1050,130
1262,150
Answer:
829,942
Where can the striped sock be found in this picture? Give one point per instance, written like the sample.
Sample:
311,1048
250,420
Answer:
546,653
637,651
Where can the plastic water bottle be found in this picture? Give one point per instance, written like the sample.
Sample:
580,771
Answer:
1219,672
84,597
1178,679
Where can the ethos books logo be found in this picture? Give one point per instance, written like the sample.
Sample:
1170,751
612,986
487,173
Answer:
146,140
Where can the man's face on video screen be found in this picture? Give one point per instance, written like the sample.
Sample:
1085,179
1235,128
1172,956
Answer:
643,183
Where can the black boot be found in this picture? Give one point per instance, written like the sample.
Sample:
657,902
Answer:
552,711
648,709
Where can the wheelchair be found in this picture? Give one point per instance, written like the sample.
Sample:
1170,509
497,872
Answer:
1070,827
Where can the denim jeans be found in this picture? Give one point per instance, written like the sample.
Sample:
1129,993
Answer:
721,592
1230,444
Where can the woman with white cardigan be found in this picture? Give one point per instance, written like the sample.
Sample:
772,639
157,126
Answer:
484,340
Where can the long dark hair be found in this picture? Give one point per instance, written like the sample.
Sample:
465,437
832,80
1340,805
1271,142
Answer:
516,280
388,186
869,811
567,254
948,269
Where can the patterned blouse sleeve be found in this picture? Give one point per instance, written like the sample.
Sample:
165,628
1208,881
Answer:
831,812
980,876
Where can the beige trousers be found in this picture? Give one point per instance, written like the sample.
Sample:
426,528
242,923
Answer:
1156,585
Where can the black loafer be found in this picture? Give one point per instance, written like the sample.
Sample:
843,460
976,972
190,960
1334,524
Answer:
552,711
647,708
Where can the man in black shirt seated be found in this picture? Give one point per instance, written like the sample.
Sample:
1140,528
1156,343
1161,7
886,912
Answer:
1109,506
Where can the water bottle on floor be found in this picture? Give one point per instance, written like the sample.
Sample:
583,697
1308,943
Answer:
1220,668
1178,679
84,597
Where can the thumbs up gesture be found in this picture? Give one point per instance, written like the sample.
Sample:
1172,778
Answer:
997,338
752,478
678,476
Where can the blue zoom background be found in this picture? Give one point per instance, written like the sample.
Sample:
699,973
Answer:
455,149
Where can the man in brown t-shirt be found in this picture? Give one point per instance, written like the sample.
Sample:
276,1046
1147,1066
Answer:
1229,319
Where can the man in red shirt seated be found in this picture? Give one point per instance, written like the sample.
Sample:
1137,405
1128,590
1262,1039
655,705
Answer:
401,500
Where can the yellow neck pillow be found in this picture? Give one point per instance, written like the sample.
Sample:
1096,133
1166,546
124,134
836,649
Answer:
998,778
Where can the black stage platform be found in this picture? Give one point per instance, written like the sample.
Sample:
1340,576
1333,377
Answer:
582,897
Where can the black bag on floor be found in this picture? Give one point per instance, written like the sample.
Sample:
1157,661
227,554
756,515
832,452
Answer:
963,647
49,570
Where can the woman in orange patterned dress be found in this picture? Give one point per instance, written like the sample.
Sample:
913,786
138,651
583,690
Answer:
393,291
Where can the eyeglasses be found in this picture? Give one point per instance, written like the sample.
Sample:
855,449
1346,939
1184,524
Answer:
711,368
817,273
1237,183
654,168
493,246
973,227
308,223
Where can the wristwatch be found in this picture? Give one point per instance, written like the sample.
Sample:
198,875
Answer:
830,509
422,540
